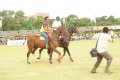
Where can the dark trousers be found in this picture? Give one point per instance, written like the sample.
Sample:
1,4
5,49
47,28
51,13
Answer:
100,56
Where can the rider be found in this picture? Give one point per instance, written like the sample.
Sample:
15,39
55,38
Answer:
56,23
44,29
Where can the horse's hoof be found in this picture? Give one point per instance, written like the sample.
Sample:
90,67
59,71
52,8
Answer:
71,60
58,60
50,62
28,62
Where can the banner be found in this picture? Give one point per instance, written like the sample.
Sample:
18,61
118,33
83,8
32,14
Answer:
16,42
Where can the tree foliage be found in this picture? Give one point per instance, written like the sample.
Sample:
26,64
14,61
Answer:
17,20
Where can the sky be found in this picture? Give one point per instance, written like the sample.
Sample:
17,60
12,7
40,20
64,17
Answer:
63,8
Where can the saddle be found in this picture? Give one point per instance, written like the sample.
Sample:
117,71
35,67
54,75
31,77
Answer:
40,37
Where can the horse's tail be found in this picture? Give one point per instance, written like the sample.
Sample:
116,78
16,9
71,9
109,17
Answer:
24,41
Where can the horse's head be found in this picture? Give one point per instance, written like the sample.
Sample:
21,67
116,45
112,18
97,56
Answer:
64,34
73,30
62,30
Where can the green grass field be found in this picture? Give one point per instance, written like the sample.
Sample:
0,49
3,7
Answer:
13,65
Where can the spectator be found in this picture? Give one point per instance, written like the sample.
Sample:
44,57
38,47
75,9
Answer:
102,50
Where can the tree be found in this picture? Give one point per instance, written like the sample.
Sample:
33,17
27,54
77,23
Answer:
117,21
10,13
16,21
105,21
19,18
110,20
8,20
85,22
101,21
37,23
72,20
4,13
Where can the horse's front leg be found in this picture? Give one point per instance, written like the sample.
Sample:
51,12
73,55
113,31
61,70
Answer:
40,50
28,54
59,56
50,56
66,48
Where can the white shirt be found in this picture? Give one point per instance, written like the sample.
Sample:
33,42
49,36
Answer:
56,24
103,41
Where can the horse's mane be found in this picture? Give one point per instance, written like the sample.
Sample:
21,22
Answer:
61,31
72,30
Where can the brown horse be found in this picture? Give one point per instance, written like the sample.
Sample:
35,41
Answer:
71,30
34,42
65,43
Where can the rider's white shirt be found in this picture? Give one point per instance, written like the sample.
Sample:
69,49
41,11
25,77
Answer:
56,24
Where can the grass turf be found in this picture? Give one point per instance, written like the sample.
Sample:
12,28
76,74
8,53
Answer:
13,65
